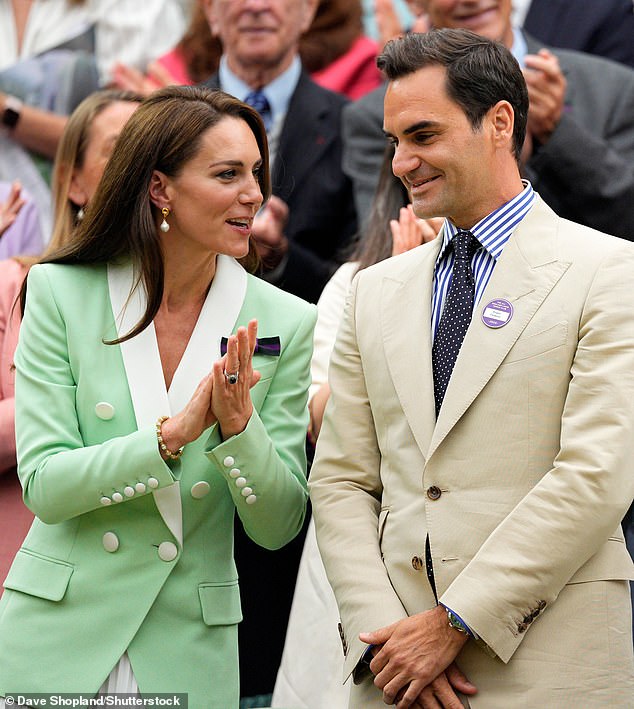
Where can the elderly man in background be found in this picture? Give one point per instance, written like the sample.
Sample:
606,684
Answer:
579,150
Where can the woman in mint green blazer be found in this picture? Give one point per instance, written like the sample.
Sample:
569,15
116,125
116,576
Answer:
160,388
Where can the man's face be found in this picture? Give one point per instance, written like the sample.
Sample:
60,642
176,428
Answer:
259,33
446,166
490,18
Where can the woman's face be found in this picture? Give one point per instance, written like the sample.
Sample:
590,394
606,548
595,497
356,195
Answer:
216,195
102,136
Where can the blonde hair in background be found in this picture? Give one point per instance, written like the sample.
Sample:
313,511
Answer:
70,155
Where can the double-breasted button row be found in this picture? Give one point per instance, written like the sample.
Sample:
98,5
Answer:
239,480
139,488
167,551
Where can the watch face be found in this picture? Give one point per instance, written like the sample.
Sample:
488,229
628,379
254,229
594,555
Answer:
10,117
11,113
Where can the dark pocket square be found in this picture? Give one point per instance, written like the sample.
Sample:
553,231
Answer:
263,345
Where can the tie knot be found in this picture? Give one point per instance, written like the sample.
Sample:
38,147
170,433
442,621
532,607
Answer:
464,245
257,100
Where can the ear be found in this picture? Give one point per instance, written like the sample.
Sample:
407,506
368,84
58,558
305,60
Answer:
209,8
502,119
159,189
76,192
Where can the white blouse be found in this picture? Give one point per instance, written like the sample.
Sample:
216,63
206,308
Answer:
126,31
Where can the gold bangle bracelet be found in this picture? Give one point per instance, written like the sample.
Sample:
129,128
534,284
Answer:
164,449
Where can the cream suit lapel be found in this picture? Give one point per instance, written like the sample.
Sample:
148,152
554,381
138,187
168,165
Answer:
406,329
143,365
526,272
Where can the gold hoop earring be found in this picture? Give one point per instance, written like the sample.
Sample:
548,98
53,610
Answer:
165,227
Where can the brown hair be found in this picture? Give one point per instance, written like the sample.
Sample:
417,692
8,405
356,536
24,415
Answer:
336,25
200,50
163,134
375,243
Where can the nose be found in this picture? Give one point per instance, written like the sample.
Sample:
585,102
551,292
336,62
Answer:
251,192
404,161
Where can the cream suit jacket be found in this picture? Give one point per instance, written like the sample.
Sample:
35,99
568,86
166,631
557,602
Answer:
521,482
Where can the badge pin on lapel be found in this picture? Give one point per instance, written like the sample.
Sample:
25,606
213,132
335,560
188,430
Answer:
497,313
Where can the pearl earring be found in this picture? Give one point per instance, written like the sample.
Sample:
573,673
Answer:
80,214
164,225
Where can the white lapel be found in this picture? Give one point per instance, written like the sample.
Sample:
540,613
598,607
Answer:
217,319
143,364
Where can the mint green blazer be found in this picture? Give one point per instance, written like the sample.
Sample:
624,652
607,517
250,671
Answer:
128,553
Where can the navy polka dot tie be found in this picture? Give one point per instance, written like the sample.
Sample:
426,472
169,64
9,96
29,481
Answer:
456,314
257,100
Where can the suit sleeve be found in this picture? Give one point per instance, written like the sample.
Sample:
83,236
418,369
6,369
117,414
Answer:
590,171
566,518
363,149
60,476
270,454
346,490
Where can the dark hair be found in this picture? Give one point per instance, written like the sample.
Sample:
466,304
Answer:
480,72
375,242
336,25
163,134
199,48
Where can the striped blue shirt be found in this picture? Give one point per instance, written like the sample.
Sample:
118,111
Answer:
492,232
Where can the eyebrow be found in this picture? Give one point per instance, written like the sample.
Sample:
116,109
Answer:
421,125
237,163
233,163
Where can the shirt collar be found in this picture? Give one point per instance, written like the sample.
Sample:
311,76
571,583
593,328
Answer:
278,92
519,48
496,228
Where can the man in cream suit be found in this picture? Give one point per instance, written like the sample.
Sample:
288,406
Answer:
474,462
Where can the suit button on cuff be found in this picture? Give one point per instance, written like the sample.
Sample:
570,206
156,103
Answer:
228,461
251,499
234,472
241,482
246,491
140,488
128,491
117,497
153,483
105,500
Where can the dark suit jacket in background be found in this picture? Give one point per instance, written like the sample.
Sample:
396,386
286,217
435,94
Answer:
585,172
307,175
603,27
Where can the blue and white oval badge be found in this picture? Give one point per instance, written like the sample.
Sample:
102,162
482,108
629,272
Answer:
497,313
